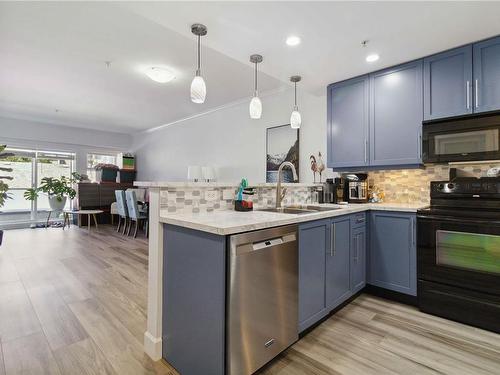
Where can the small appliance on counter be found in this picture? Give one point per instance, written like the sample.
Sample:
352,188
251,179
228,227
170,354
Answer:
355,187
318,194
333,190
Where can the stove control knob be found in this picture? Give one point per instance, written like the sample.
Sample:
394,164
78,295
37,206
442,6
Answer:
440,187
451,186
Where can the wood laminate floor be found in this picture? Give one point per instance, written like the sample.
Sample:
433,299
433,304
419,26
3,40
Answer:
74,303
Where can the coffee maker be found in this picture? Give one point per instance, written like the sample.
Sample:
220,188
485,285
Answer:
333,190
356,187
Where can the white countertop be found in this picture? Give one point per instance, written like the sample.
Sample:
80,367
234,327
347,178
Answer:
194,185
230,222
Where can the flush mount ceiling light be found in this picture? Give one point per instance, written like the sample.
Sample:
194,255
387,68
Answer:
372,58
159,74
295,117
198,87
255,106
293,40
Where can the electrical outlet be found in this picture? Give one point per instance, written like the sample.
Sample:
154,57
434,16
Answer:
211,195
228,194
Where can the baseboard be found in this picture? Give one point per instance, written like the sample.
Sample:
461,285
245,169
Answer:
152,346
391,295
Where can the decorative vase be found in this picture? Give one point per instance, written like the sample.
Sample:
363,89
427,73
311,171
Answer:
55,204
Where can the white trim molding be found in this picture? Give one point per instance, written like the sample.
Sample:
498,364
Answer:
153,334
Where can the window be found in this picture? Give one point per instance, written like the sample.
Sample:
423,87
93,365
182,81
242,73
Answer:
28,169
94,159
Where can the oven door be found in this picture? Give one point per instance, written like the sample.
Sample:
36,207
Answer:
471,139
461,252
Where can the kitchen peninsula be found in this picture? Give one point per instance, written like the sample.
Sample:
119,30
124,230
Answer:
188,265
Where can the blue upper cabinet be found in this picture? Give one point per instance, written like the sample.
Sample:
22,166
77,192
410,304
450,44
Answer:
347,130
448,84
396,113
487,75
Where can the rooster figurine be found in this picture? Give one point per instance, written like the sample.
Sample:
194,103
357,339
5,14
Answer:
320,165
314,166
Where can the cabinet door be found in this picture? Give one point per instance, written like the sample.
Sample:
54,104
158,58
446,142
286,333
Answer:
358,259
313,243
338,262
392,255
487,75
347,130
448,83
396,112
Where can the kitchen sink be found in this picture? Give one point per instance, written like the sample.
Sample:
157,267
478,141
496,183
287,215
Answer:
298,210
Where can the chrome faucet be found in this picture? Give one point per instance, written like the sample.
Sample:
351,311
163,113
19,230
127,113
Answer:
280,193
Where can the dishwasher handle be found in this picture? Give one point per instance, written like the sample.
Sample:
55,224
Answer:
265,244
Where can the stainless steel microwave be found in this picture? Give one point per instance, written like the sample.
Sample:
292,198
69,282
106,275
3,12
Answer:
461,139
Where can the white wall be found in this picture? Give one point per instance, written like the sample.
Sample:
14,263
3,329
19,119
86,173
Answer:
43,136
229,140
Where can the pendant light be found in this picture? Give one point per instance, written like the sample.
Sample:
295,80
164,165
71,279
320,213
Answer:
255,107
198,87
295,118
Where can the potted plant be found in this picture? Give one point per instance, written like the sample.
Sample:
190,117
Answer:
57,189
3,186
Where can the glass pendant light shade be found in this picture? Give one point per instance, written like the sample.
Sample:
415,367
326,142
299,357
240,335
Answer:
198,86
295,119
198,90
255,108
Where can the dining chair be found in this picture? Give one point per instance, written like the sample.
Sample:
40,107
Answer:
133,211
121,204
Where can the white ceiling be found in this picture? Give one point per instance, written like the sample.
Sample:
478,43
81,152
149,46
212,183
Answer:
52,55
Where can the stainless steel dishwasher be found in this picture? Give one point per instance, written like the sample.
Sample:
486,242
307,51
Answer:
263,297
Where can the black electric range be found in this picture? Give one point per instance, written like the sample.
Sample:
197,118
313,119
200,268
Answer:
458,252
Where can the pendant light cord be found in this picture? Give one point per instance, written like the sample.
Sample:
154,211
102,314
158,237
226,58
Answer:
295,94
199,56
255,91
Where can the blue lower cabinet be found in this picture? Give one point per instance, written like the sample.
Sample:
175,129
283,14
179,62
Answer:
392,252
194,289
313,243
337,277
358,259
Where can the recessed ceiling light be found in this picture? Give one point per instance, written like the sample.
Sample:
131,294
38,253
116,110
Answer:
372,58
293,40
158,74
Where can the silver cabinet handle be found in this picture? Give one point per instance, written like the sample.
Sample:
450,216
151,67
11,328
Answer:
356,249
477,94
412,232
467,86
419,144
332,240
366,146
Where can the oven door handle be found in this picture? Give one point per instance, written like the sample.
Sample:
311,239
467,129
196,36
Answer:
462,220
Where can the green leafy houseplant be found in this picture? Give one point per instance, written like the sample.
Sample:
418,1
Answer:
58,189
3,186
